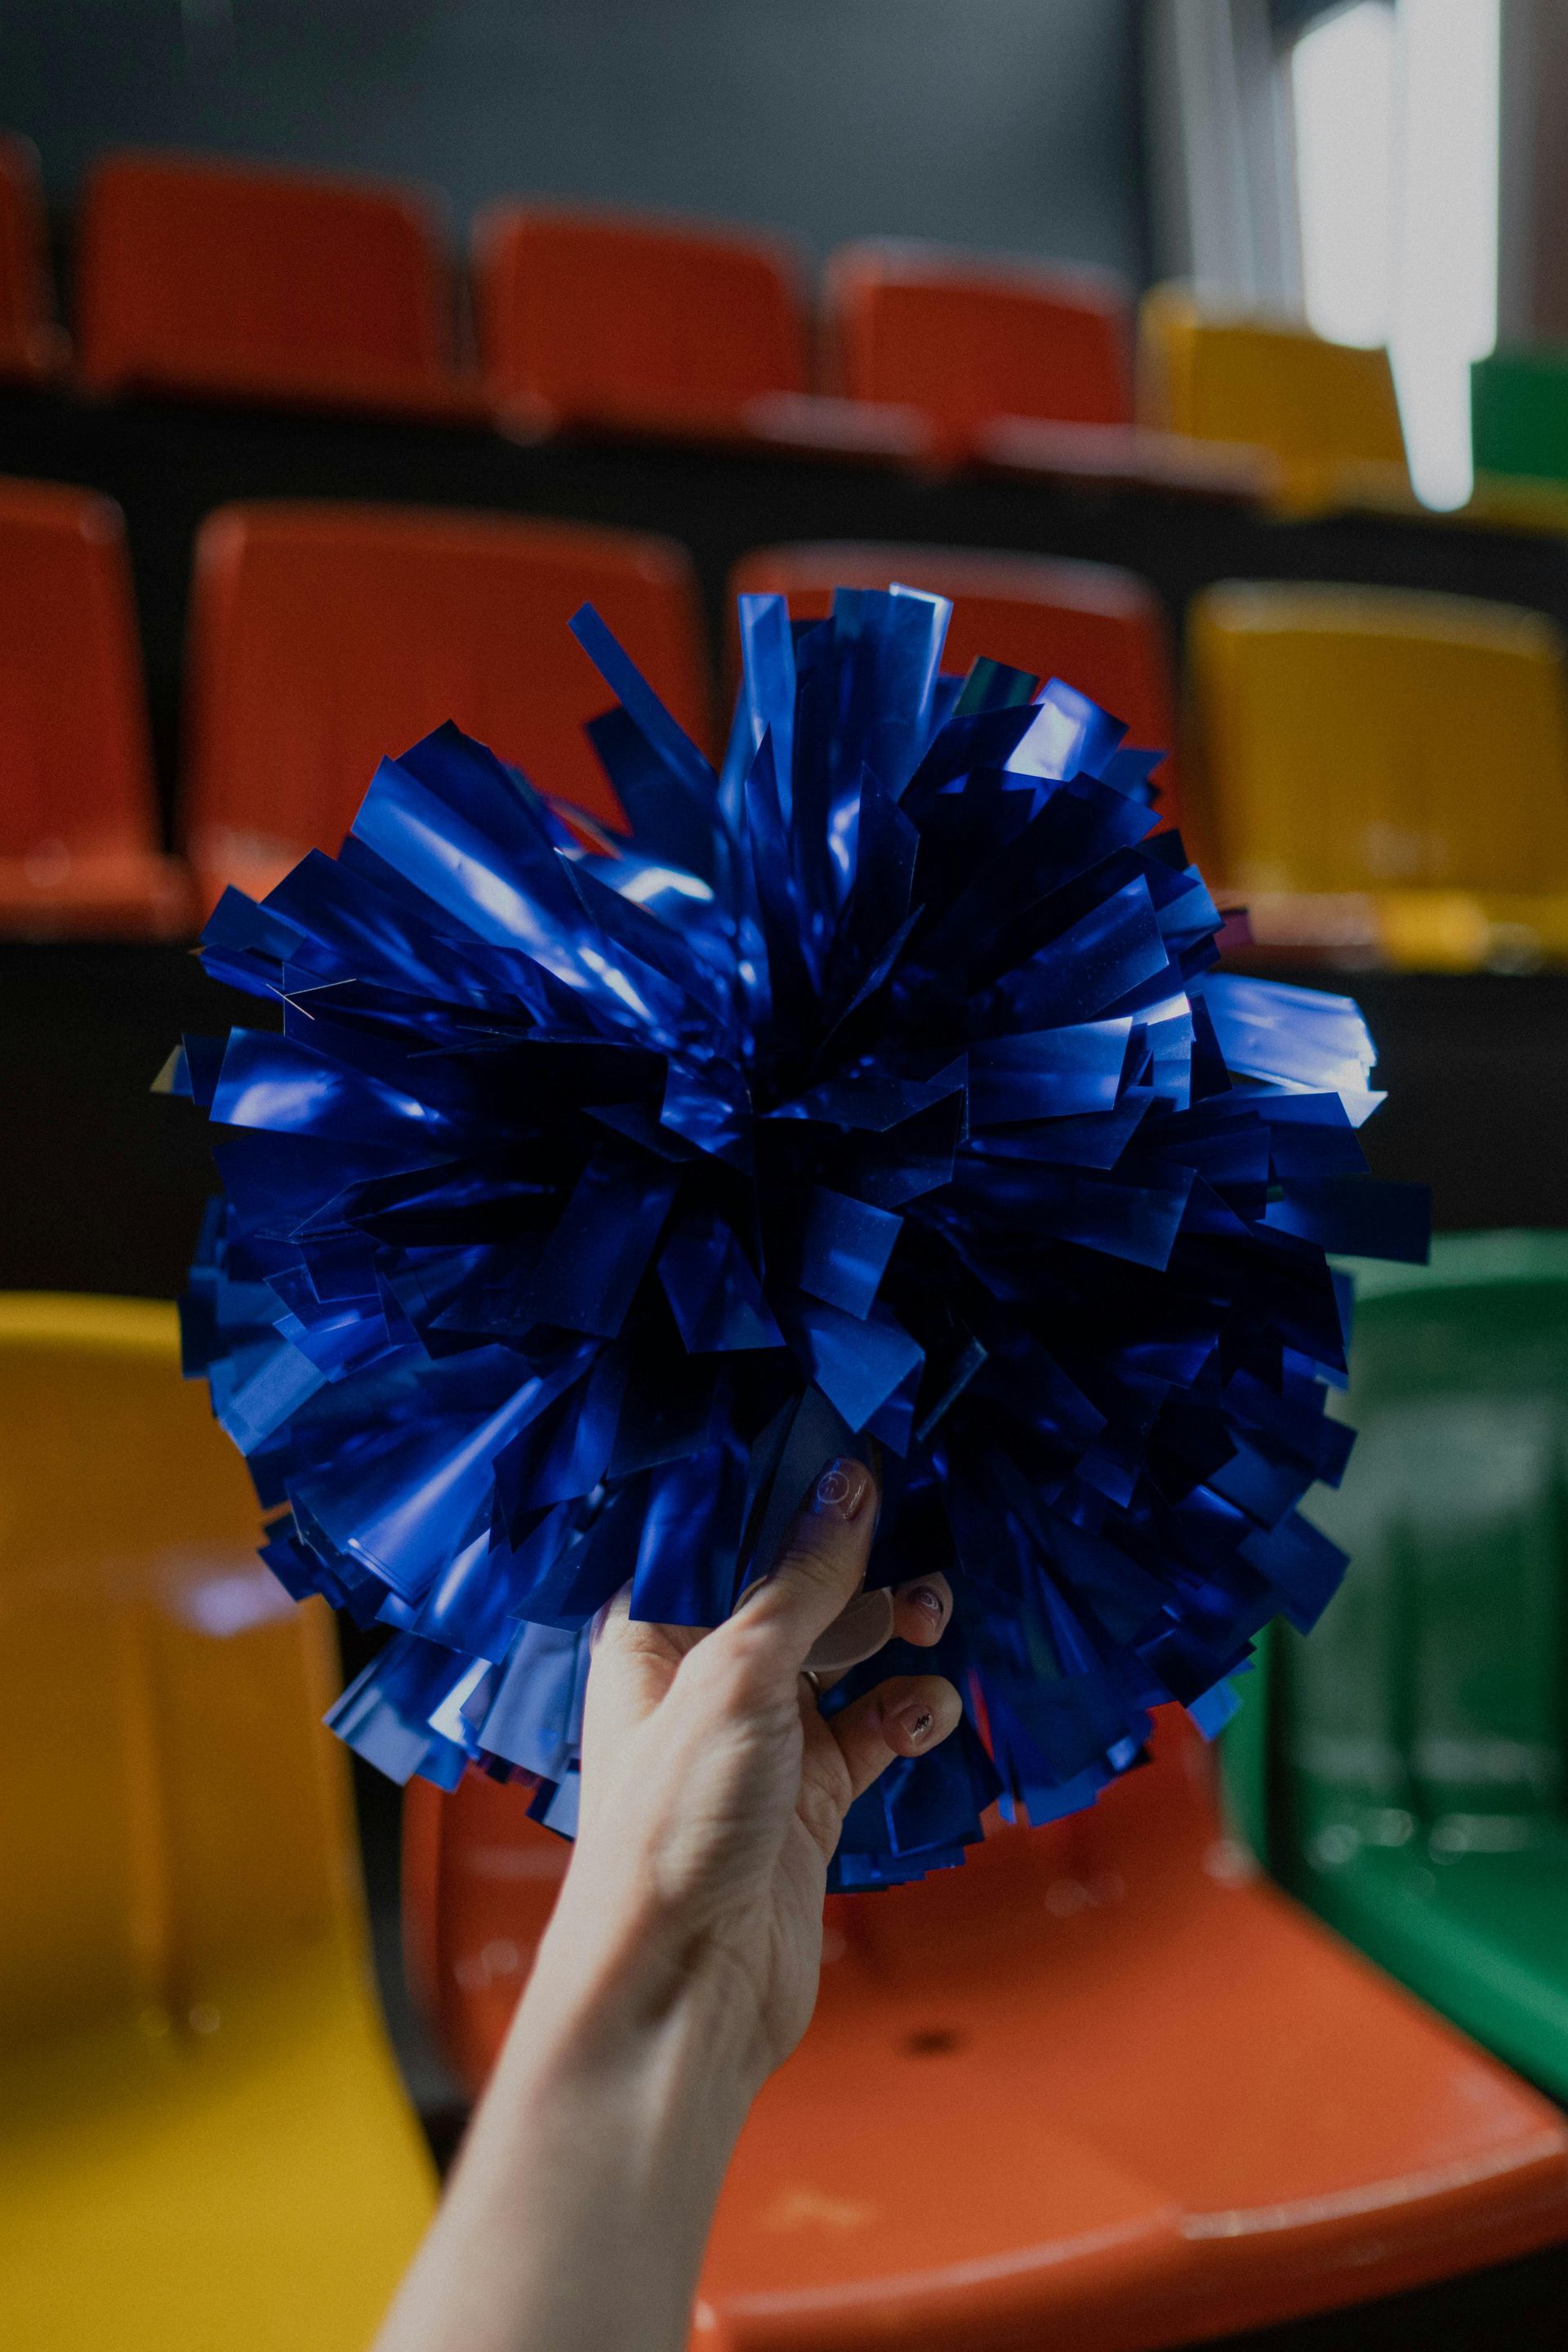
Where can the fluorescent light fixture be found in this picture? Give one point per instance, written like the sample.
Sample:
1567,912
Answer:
1341,89
1445,286
1395,115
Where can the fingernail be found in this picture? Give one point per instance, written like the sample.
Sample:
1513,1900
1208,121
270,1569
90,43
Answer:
841,1491
928,1600
916,1720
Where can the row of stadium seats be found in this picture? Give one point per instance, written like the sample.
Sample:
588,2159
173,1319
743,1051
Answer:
1381,776
1171,2106
201,277
326,635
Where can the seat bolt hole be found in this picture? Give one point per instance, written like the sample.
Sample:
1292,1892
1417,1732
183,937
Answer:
932,2042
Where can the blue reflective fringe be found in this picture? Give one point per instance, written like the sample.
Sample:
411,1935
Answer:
879,1088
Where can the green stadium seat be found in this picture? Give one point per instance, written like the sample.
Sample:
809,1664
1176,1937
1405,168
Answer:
1404,1770
1519,413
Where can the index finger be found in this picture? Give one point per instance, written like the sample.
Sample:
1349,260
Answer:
820,1566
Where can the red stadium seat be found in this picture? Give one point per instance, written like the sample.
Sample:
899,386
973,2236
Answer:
200,277
325,637
31,345
966,340
1102,2086
78,850
611,320
1100,628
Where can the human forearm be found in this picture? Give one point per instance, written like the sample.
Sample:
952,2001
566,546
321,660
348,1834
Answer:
578,2213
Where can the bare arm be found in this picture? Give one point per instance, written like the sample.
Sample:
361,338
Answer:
682,1964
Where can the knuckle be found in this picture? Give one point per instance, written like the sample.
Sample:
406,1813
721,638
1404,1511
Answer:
629,1637
739,1668
745,1646
816,1555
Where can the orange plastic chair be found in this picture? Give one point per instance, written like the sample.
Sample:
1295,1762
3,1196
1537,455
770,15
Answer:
1165,2103
326,637
1100,628
198,276
31,344
635,324
77,828
204,2144
967,339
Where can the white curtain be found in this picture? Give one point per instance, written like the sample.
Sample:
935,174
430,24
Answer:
1222,166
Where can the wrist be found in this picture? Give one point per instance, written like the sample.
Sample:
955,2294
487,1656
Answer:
636,2015
623,1982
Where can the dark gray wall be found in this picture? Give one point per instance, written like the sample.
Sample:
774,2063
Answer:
1008,123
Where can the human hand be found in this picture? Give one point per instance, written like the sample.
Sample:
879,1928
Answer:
714,1790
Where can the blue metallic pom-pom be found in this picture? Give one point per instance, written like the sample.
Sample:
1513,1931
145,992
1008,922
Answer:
880,1088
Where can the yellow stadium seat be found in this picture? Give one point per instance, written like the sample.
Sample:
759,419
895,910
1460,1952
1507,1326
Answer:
204,2144
1392,751
1325,412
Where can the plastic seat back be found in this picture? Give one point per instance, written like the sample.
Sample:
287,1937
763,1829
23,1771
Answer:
481,1880
31,344
611,318
1432,1700
174,1815
1519,413
75,765
1100,628
1320,407
1364,740
200,276
965,339
327,637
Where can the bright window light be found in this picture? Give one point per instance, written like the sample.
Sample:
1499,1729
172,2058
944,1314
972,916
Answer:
1341,89
1396,109
1444,284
